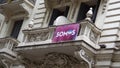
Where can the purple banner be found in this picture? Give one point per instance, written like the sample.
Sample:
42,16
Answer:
65,33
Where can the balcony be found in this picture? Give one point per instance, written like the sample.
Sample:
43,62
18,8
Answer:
11,8
39,42
73,39
6,48
87,32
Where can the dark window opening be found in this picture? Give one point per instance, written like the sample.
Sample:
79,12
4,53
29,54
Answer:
82,11
16,28
95,10
3,1
59,12
84,8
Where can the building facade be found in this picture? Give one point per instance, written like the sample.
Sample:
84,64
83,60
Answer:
59,34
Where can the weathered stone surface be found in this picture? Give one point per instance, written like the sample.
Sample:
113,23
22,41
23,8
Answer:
58,60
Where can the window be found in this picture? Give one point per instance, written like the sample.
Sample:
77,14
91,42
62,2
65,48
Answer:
62,11
84,8
3,1
16,28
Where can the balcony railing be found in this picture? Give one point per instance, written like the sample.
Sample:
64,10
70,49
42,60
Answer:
87,32
6,49
90,31
38,35
8,43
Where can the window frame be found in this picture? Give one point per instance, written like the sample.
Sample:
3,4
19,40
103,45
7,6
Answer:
97,6
57,9
14,26
11,22
50,11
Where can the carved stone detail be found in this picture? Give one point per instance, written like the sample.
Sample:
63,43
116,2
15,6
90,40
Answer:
104,5
52,60
41,36
93,36
2,45
8,43
25,62
83,53
5,63
58,60
53,3
89,30
84,56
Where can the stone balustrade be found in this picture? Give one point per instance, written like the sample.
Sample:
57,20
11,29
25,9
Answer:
87,31
7,55
90,31
8,43
37,35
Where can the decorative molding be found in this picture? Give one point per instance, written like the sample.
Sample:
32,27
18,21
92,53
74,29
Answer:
27,63
104,5
6,63
89,30
41,36
89,15
8,43
52,60
59,60
93,36
1,24
9,11
82,54
57,3
37,35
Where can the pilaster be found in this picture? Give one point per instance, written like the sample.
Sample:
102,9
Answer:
110,32
104,58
